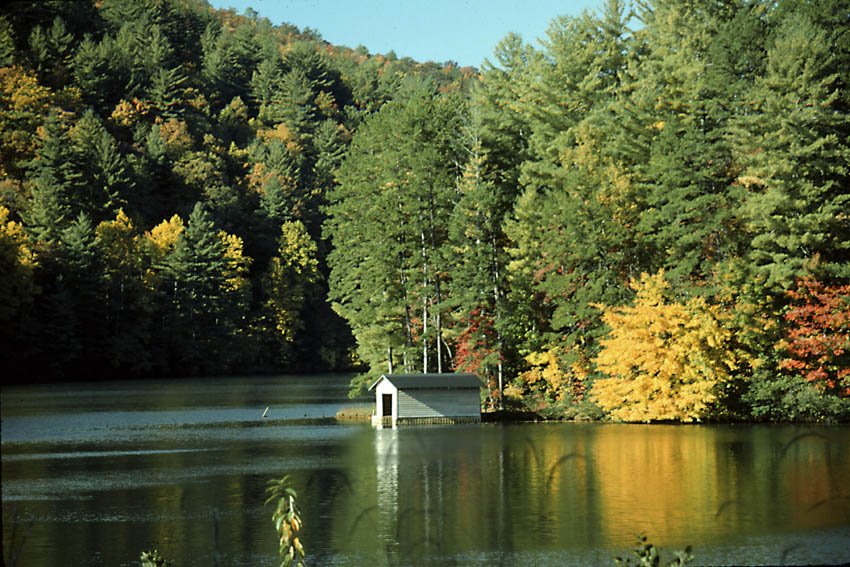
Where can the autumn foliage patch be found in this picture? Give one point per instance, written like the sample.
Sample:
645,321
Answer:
817,336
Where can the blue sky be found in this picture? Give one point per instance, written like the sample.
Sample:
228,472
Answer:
465,31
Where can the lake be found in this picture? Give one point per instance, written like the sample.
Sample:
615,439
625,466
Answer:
94,474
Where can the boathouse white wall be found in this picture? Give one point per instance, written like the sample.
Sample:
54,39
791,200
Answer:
426,398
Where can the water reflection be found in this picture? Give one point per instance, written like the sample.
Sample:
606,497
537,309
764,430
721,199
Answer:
386,465
482,494
509,491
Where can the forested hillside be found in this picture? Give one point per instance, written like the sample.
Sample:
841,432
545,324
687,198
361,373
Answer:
643,217
164,168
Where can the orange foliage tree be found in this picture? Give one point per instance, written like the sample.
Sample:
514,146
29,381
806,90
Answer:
478,350
817,336
665,361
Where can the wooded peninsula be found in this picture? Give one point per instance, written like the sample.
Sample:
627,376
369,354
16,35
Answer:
644,217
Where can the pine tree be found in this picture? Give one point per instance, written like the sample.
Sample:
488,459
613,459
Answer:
53,50
128,305
103,71
81,272
265,82
479,271
688,222
165,92
7,43
229,59
107,182
796,159
199,314
388,219
56,182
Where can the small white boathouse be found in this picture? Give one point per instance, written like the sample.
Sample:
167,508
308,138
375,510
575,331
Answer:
406,399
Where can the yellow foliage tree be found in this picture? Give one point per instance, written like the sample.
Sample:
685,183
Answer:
119,231
283,134
163,236
665,360
24,105
17,262
552,374
237,263
120,247
176,136
288,279
129,112
159,241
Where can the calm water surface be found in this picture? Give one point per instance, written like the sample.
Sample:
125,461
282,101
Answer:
94,474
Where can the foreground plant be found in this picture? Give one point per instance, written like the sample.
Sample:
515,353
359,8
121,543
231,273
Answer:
153,559
287,521
650,556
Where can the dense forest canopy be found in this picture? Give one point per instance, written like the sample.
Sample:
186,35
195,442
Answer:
644,217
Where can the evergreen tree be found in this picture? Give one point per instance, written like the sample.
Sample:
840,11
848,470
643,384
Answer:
199,314
497,137
229,59
794,153
165,92
689,222
81,273
388,220
56,182
106,180
103,71
573,237
479,272
53,51
7,42
265,82
127,305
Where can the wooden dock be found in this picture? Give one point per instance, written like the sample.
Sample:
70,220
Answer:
419,421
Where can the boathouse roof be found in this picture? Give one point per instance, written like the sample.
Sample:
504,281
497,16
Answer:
447,381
